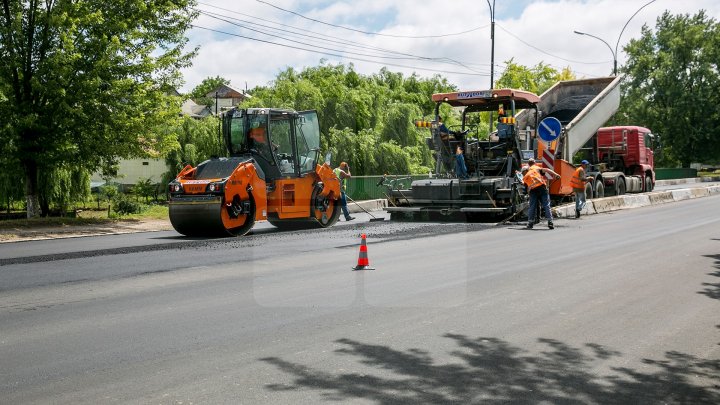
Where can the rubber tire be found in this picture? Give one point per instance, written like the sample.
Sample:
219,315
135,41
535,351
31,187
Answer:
589,191
599,190
620,186
648,184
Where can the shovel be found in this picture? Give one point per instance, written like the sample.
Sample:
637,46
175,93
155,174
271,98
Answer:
373,217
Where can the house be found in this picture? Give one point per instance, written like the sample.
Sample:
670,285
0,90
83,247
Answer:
130,171
194,110
225,97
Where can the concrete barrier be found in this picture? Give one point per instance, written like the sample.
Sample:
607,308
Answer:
691,180
699,192
636,200
660,197
369,205
609,204
681,194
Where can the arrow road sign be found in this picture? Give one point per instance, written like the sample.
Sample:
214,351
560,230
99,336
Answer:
549,129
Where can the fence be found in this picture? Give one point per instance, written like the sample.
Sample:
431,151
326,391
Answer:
674,173
366,188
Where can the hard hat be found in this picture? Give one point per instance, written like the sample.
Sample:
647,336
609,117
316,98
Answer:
584,162
531,160
524,168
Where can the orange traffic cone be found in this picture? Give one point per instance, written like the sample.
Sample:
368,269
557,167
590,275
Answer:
363,262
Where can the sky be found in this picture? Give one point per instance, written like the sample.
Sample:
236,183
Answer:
250,41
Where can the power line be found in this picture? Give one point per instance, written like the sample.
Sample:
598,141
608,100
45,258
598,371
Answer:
405,56
335,54
321,37
368,32
547,53
293,31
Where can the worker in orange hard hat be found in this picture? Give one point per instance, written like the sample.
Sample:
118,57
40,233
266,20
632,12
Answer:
577,182
536,183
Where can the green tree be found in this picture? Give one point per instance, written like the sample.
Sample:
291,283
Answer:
534,79
197,141
199,93
87,82
144,188
359,113
672,86
398,128
63,187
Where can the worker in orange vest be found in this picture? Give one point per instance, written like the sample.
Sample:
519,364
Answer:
534,179
578,184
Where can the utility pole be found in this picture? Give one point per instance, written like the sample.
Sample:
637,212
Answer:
492,54
492,42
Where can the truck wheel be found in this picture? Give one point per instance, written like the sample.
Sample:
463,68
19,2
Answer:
588,191
599,190
648,184
620,186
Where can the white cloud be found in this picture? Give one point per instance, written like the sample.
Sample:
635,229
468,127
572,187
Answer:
541,32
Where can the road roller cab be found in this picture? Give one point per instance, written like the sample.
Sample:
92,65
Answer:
272,173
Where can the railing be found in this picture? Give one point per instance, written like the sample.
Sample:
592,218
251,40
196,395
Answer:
366,188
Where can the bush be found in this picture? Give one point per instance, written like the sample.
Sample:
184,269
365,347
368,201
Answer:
124,206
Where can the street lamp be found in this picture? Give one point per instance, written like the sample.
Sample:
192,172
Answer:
614,52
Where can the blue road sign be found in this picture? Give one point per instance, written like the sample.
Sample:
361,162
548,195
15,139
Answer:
549,129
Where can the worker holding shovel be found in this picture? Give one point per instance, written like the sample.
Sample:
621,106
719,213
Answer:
343,172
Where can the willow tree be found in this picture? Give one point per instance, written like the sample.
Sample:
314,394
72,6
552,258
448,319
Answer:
85,82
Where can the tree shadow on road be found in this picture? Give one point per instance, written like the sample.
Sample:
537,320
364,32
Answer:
712,290
490,370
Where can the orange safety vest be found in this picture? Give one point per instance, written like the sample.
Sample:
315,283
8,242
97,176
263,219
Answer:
258,135
576,182
533,179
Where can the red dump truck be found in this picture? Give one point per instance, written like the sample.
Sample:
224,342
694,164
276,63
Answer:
621,157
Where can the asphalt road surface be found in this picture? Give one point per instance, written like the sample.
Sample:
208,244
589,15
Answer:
611,308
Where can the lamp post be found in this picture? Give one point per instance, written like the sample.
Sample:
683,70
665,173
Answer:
614,52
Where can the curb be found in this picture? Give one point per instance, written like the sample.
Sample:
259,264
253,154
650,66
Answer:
609,204
369,205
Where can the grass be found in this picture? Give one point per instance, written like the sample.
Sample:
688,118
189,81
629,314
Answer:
709,174
87,217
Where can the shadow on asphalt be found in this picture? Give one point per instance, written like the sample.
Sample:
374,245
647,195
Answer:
490,370
712,290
